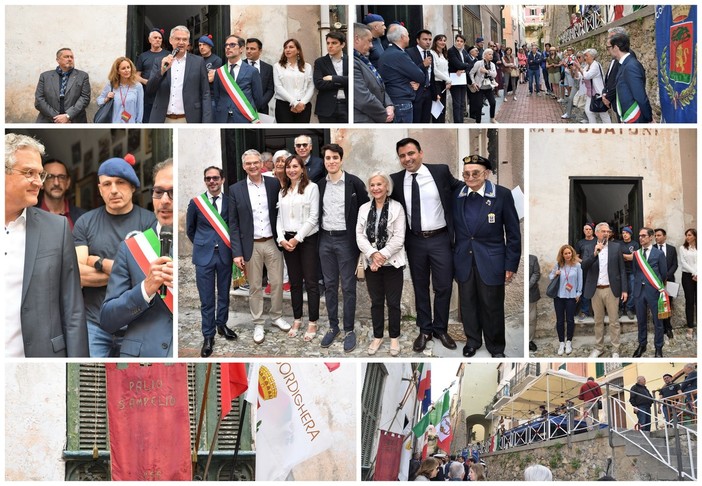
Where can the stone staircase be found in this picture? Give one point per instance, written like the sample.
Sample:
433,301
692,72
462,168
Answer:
645,449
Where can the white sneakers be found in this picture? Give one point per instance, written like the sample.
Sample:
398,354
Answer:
595,354
615,355
569,347
561,348
259,334
282,324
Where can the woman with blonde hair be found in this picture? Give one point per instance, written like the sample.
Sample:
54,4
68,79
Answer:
477,472
428,469
570,288
127,92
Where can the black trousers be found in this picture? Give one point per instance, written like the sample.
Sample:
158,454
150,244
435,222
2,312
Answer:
441,86
690,288
483,313
484,94
303,263
340,115
385,286
421,105
284,115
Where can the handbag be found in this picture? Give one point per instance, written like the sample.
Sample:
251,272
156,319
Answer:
104,113
552,289
361,268
596,103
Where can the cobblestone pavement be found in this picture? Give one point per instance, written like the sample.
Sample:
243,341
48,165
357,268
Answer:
530,109
277,343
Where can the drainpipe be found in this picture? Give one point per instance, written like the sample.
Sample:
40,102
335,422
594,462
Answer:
610,417
456,21
324,27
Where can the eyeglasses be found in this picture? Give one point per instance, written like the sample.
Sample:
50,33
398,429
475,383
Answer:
301,145
31,174
159,192
231,44
212,178
60,177
474,174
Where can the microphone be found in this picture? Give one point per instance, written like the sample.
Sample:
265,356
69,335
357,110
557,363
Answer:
166,246
174,53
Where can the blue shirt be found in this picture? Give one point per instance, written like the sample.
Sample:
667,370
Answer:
570,274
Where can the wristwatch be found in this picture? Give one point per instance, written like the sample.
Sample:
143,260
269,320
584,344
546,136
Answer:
98,265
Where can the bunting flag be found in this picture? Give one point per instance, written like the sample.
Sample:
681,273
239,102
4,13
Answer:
233,382
444,431
149,421
332,366
424,385
406,455
387,459
289,427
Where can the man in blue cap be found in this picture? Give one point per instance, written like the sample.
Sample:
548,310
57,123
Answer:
212,61
97,235
376,24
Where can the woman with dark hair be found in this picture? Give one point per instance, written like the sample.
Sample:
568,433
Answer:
688,265
483,75
570,288
428,470
294,86
127,92
297,228
441,72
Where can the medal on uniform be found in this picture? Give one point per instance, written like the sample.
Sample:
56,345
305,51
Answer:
491,217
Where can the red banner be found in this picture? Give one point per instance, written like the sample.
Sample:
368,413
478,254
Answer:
148,419
387,462
234,382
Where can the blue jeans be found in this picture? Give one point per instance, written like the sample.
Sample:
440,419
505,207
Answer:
100,342
565,314
644,416
404,113
531,74
338,262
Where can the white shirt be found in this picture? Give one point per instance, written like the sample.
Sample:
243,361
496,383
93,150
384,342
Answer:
298,213
237,68
256,64
441,65
175,104
291,85
15,242
603,277
433,217
338,65
624,56
688,259
259,206
333,204
218,203
421,55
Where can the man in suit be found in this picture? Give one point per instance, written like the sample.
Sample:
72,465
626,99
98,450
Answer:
376,25
44,312
425,194
205,225
139,274
340,196
605,284
485,256
648,284
401,75
253,57
230,105
63,94
180,85
56,185
427,91
371,104
253,211
331,78
671,261
609,96
632,101
313,164
458,60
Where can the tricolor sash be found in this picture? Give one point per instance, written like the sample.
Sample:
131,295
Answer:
145,248
663,299
208,210
237,96
630,114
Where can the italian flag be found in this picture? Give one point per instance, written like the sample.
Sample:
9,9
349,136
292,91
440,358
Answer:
424,385
444,432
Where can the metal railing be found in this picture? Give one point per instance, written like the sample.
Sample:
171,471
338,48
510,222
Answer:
592,20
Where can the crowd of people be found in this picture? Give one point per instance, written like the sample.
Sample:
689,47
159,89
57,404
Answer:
441,467
604,275
178,86
402,84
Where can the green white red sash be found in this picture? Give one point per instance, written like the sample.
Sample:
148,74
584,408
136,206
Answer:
238,97
663,299
205,206
145,248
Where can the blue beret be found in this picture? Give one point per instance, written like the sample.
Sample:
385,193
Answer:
116,167
206,40
373,18
478,40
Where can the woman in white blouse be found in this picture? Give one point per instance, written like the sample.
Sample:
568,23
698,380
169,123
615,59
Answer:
294,87
593,77
483,75
297,228
441,72
380,235
688,265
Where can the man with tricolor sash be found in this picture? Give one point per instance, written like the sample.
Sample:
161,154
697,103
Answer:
237,86
649,292
139,300
632,101
207,228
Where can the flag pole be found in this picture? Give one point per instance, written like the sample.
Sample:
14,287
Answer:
238,439
202,414
209,455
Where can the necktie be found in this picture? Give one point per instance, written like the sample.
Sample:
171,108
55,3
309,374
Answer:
645,253
416,222
214,202
232,71
660,247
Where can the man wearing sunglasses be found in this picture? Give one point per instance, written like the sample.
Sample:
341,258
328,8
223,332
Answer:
56,185
313,164
139,300
44,312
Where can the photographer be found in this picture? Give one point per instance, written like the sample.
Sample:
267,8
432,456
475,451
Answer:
483,75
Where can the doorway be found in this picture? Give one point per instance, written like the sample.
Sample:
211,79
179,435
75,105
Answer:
410,15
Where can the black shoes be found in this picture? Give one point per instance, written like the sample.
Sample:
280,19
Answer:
499,355
445,339
659,352
226,332
207,347
421,342
639,351
532,346
469,351
669,333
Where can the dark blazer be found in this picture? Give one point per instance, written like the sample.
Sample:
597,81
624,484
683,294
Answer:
631,91
657,261
76,99
534,276
495,243
149,326
611,81
315,169
204,236
397,69
52,314
267,86
355,196
455,63
196,91
445,182
249,80
615,270
369,96
326,95
416,56
671,262
241,226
